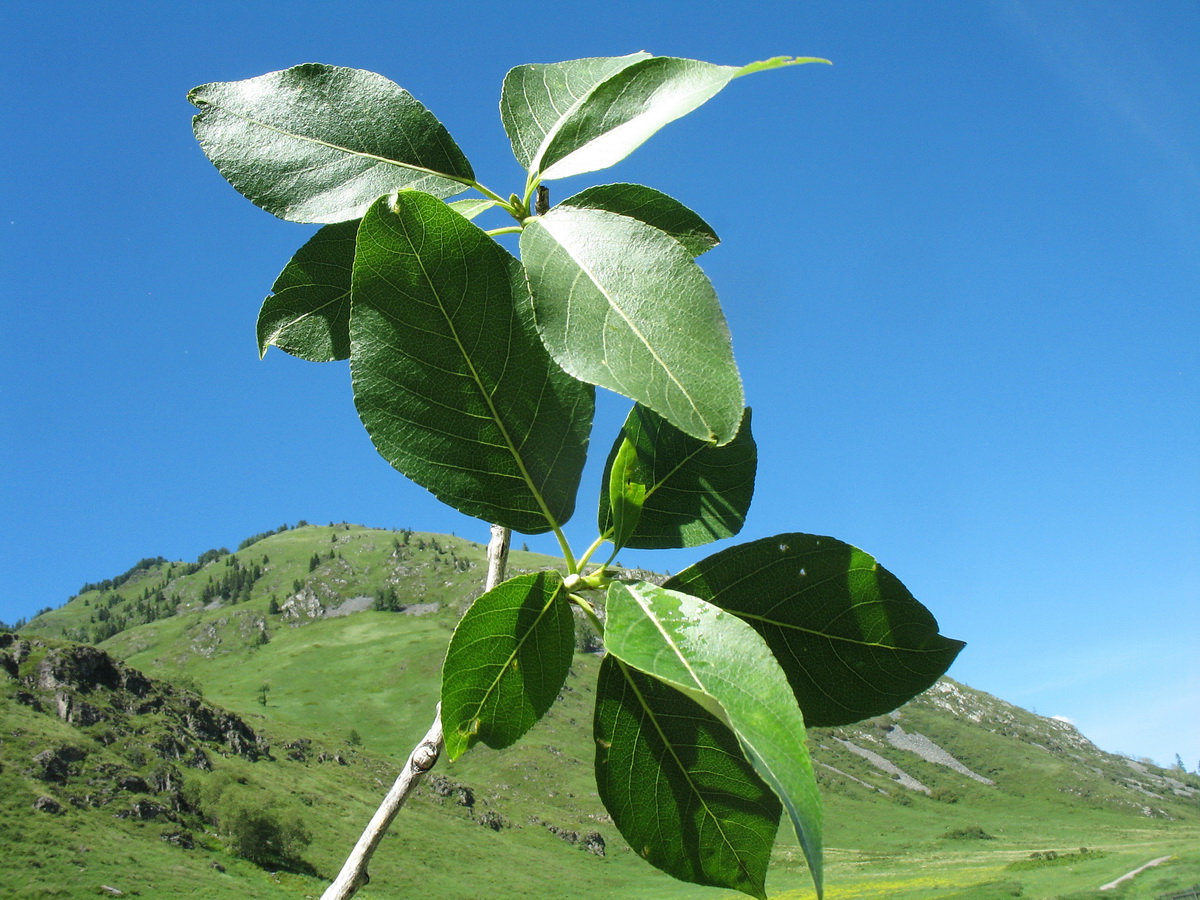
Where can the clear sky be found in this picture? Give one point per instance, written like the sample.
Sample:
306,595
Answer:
961,267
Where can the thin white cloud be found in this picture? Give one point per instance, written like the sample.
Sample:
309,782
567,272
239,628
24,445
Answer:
1103,54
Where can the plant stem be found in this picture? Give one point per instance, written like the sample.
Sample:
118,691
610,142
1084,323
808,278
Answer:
354,872
512,229
497,556
531,185
423,757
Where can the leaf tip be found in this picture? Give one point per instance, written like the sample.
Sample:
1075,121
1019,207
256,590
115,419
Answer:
265,336
778,62
801,60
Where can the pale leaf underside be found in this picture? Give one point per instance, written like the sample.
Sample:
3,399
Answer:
319,143
622,305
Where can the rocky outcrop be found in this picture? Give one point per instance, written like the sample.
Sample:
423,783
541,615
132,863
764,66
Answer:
48,805
57,764
302,605
135,735
591,841
84,686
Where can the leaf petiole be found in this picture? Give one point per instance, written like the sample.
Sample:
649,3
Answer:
588,610
563,545
587,554
490,194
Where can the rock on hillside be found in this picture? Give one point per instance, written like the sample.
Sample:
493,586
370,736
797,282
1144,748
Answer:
132,732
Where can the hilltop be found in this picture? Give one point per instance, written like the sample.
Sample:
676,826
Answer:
319,647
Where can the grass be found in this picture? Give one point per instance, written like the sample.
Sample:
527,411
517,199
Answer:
964,876
387,668
377,674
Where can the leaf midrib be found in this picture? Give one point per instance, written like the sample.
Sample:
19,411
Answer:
662,481
670,642
348,150
517,649
824,634
750,576
713,817
535,164
307,314
487,398
642,115
591,276
752,753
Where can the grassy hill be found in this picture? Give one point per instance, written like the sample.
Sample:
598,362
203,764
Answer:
949,797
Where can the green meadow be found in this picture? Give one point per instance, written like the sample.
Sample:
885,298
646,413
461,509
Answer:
347,696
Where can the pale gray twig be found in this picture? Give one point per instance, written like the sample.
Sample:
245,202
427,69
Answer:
354,871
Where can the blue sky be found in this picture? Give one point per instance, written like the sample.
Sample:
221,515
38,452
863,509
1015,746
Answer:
961,267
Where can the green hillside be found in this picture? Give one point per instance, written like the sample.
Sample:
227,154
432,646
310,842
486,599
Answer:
345,627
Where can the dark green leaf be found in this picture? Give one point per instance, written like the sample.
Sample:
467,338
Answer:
535,100
319,143
677,785
626,492
506,662
695,492
851,638
308,312
652,207
619,113
449,375
624,306
722,663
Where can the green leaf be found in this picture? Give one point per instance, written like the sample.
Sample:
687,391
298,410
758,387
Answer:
308,312
592,122
319,143
507,661
677,785
623,305
652,207
469,209
722,663
536,99
449,375
626,492
695,492
852,640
